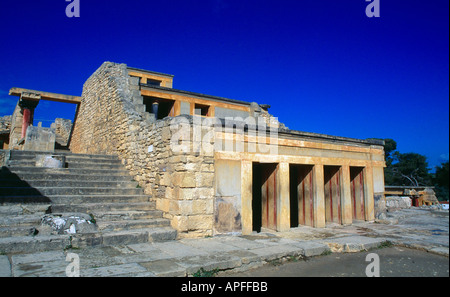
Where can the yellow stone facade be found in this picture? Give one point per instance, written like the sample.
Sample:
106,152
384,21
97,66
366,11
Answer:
215,165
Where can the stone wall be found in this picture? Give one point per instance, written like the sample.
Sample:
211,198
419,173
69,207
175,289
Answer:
39,139
5,123
187,179
62,127
110,120
3,154
395,203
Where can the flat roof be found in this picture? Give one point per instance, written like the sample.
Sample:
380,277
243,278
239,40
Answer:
200,95
151,72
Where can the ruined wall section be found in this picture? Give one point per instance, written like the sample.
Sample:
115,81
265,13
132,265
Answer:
187,178
110,120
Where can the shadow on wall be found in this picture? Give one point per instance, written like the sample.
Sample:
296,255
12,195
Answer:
15,190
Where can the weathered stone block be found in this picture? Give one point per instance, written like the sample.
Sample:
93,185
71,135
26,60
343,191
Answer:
180,223
204,179
200,222
183,179
227,217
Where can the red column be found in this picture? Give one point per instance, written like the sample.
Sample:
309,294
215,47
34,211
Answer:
26,121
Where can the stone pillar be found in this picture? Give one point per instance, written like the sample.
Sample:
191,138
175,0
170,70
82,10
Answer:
346,196
246,196
368,194
26,121
28,107
319,196
155,106
283,211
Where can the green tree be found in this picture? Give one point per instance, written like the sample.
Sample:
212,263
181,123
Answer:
441,181
390,147
410,169
405,169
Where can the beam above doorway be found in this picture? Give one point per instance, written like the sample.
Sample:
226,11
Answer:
37,95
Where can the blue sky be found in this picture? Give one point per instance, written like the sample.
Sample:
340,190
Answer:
323,66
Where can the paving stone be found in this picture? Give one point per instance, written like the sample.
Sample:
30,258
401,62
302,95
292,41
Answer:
164,268
241,243
245,256
277,251
312,248
209,262
440,251
5,267
209,245
351,244
114,270
41,269
179,250
38,257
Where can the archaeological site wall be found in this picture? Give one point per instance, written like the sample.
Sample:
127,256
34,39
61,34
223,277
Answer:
241,179
112,120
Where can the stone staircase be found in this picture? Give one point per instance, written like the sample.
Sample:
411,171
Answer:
97,185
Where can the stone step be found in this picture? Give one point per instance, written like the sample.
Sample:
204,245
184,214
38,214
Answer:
67,183
15,231
20,220
124,237
127,215
69,161
16,154
28,244
27,199
6,170
102,207
82,199
15,209
23,244
61,177
132,224
94,166
74,199
28,191
97,185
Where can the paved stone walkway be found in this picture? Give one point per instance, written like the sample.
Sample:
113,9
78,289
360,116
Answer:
416,228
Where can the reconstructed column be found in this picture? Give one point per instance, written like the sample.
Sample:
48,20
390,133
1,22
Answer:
368,194
319,197
155,106
26,112
26,121
246,196
346,195
283,215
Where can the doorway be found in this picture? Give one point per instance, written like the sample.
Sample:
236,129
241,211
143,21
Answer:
332,191
165,107
265,196
301,195
357,192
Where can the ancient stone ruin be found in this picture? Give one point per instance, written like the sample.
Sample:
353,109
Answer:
211,165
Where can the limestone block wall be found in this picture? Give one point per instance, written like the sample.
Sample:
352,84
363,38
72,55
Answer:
187,179
110,121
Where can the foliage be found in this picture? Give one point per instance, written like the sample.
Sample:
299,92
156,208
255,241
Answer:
441,181
405,169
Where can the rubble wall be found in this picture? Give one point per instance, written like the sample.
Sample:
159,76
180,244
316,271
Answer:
109,121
